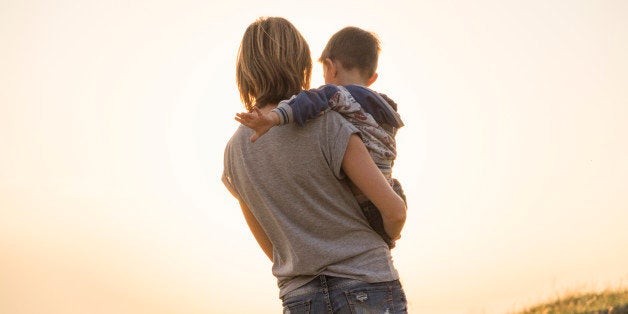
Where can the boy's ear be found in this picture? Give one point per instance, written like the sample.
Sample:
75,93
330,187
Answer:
331,66
372,79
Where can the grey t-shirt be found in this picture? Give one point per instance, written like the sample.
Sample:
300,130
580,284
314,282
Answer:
292,181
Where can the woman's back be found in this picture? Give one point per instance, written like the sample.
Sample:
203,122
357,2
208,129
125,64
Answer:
290,180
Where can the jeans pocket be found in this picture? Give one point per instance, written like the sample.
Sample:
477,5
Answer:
370,300
297,307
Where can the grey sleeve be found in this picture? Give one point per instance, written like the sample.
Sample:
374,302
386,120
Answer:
339,130
284,111
226,177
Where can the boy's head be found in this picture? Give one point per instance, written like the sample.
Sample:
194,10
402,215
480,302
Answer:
350,57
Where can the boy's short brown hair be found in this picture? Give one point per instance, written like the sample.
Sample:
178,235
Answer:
273,62
353,47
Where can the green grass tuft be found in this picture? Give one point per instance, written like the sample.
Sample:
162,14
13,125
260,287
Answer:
607,302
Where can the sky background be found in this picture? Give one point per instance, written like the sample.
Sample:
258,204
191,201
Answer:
114,116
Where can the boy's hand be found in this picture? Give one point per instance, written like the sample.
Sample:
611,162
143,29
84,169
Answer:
259,122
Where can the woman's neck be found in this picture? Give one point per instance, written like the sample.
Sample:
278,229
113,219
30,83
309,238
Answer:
268,107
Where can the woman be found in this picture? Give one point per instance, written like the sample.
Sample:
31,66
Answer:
292,186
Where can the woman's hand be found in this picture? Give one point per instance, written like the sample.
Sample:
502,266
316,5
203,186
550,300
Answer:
259,122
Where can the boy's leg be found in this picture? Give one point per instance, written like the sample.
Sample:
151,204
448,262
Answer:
397,188
374,218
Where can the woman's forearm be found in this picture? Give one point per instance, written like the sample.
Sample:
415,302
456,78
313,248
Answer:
258,231
360,168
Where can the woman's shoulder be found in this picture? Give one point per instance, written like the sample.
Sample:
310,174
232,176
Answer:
239,136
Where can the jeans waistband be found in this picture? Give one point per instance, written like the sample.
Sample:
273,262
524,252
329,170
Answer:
320,283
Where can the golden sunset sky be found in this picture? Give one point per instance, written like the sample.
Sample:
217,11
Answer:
114,116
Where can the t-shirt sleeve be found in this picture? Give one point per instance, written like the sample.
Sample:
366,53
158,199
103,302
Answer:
339,130
226,176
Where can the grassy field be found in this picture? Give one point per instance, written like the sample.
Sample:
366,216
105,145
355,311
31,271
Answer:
607,302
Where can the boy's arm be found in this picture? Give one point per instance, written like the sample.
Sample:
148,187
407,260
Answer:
342,99
259,122
302,107
309,104
306,105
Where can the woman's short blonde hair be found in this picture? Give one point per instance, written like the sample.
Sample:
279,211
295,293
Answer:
273,62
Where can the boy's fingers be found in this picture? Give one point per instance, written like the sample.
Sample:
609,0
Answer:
245,114
254,137
240,120
244,122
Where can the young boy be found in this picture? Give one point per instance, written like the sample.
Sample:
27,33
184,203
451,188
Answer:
349,66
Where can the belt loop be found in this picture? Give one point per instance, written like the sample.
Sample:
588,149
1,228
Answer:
325,290
323,280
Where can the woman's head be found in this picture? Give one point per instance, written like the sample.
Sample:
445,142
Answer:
273,62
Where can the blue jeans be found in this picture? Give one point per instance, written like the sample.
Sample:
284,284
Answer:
334,295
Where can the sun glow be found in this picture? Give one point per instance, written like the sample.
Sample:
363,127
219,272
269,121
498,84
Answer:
114,116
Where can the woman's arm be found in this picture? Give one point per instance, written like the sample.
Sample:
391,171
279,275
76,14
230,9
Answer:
360,168
258,232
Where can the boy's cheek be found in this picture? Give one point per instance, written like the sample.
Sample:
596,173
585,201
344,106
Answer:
326,75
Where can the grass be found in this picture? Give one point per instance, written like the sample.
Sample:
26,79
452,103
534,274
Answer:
606,302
